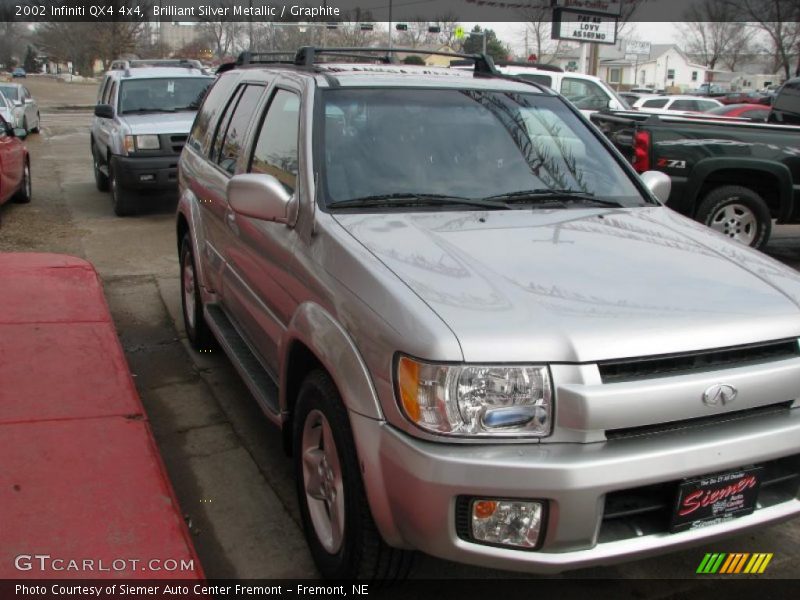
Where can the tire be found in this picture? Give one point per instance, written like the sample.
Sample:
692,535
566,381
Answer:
337,522
100,178
25,193
38,123
121,199
197,330
737,212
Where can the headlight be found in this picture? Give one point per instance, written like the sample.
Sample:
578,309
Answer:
476,400
141,142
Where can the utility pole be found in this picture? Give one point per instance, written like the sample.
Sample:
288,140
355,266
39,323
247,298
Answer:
390,24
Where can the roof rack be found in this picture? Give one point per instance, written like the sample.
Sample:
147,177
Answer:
127,65
307,56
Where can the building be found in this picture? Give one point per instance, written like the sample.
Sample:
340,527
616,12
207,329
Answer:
666,67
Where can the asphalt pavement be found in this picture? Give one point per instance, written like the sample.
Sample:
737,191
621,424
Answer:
234,483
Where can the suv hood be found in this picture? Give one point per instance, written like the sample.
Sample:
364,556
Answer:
581,285
177,122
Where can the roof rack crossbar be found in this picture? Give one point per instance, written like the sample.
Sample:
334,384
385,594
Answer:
306,56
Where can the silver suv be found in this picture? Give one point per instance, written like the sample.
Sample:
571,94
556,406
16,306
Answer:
480,333
142,119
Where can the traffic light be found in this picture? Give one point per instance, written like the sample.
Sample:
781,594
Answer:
434,29
366,26
401,27
331,25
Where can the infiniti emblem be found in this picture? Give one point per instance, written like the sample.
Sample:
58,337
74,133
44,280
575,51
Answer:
719,393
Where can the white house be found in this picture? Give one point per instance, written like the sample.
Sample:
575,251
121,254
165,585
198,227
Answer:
666,67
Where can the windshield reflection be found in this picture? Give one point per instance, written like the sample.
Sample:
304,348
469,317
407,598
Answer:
467,143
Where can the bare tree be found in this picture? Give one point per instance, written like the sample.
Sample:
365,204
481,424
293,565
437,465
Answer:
538,32
780,20
712,33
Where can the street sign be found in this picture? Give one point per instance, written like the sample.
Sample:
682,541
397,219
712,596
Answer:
637,47
584,27
605,7
458,33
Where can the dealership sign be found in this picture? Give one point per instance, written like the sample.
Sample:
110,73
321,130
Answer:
605,7
636,47
581,26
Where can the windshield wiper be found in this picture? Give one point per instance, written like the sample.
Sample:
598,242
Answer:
407,199
550,195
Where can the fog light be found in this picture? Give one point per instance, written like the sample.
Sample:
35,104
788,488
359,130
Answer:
507,522
147,177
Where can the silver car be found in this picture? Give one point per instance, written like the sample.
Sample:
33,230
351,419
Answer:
26,108
480,333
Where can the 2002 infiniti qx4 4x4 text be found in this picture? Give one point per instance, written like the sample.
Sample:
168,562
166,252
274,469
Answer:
481,334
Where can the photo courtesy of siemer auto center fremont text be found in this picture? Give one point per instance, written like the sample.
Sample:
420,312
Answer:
400,299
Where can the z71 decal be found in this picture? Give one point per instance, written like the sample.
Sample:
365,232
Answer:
668,163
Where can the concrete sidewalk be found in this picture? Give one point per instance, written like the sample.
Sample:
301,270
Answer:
81,478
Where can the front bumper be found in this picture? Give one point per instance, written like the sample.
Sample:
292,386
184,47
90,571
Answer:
413,485
147,172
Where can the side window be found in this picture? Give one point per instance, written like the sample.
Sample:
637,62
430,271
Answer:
276,146
684,105
657,103
204,124
584,94
704,105
230,147
25,93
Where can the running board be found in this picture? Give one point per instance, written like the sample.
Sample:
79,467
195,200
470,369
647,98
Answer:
259,382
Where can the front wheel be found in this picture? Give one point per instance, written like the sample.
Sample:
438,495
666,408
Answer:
38,123
197,330
100,178
121,199
25,192
739,213
337,521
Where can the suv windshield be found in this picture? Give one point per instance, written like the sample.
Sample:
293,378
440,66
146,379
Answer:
397,145
162,94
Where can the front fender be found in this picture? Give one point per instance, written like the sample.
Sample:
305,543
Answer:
313,326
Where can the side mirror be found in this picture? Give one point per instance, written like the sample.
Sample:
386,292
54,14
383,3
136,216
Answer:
17,103
20,132
28,100
658,183
104,111
261,197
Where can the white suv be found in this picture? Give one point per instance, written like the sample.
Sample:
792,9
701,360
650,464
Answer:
589,94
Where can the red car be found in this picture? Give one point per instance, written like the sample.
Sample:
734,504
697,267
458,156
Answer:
15,165
756,112
746,98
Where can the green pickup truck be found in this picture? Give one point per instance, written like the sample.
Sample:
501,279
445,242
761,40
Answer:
734,175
